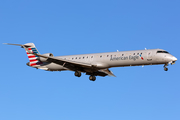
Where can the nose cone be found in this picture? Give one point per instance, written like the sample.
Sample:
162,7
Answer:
174,58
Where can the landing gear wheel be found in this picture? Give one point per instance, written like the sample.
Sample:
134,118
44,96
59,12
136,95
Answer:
165,69
92,78
77,74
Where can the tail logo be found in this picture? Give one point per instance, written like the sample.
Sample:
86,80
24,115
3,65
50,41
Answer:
32,58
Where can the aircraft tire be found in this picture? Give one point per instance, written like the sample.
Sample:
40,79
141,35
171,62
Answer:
77,74
92,78
165,69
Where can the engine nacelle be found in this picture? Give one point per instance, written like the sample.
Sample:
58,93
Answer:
45,59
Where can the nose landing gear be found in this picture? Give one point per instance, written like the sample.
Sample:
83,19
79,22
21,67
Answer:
165,67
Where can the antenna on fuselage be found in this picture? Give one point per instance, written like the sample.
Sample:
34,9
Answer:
117,50
145,48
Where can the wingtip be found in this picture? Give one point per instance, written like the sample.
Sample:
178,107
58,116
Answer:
12,44
113,75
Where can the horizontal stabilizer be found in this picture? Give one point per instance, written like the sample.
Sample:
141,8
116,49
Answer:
17,44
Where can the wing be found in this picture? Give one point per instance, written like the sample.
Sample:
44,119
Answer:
84,67
72,65
75,65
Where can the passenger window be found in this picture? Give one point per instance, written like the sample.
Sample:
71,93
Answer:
107,55
83,57
91,56
137,53
76,57
122,54
134,54
79,57
101,56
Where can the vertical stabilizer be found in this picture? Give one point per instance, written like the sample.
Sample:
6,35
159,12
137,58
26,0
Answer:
32,58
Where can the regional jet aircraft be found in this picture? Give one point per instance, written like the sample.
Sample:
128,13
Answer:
97,64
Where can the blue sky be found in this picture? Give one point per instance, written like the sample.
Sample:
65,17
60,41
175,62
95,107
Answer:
77,27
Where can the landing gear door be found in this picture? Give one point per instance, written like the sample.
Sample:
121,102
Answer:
149,55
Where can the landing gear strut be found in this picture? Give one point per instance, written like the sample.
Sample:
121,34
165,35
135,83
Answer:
165,67
77,74
92,78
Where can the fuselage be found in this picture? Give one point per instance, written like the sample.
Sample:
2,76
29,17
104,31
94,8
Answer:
96,64
119,59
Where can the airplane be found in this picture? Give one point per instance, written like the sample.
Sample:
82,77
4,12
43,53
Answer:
96,64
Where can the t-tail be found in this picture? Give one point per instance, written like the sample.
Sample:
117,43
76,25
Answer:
30,48
33,61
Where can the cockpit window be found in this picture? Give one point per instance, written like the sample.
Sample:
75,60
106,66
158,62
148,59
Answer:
162,52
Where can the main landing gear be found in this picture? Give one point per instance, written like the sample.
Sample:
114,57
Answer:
165,67
77,74
92,77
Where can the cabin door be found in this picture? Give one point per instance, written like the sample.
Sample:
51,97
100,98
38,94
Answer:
149,55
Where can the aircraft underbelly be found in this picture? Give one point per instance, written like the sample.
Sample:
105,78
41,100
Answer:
54,67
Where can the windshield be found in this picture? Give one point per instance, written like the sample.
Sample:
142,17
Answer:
162,52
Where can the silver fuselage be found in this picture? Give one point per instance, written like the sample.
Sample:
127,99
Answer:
117,59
